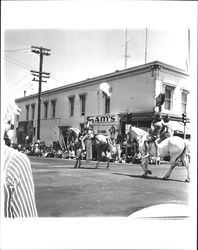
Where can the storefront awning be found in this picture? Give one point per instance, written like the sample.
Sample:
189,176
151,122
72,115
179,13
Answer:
179,127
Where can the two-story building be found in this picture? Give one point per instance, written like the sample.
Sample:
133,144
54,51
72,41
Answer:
132,101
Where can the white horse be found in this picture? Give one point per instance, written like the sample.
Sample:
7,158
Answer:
174,146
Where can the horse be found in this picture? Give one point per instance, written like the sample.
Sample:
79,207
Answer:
175,147
101,143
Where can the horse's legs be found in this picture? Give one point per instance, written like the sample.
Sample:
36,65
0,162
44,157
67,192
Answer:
79,161
186,164
167,175
98,159
76,164
144,165
108,160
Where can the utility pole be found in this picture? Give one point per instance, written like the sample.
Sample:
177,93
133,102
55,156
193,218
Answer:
41,52
146,45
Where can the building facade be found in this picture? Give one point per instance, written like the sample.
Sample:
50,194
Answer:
132,101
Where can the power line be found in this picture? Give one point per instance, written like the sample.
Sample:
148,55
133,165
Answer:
16,62
13,50
21,79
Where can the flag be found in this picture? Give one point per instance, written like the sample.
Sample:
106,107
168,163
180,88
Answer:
160,99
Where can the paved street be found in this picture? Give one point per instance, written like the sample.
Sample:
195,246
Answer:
62,191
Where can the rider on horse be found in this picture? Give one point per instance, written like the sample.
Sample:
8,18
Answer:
166,130
154,134
89,133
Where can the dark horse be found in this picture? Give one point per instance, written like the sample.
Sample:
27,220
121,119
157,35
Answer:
102,144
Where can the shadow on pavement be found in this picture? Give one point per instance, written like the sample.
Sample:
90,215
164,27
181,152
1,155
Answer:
148,177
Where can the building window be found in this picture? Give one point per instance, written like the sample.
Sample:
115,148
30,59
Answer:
184,101
168,97
82,103
46,109
53,102
107,104
71,105
33,110
27,111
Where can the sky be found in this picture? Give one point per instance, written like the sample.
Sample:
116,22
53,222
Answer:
80,52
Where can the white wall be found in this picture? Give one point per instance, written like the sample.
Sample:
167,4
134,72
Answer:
133,93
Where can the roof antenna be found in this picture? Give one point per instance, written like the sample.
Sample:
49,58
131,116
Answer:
146,46
126,48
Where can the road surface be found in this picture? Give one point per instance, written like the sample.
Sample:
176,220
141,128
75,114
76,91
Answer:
62,191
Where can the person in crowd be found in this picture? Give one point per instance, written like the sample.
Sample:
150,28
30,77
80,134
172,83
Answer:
17,181
154,134
89,133
71,153
124,148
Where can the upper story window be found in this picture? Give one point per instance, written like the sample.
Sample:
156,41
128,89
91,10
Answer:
27,111
46,109
53,102
184,101
107,104
82,103
168,97
71,105
33,110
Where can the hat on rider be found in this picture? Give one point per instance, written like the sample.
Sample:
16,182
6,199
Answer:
166,117
157,117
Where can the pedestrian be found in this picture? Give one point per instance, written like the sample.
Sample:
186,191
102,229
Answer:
17,181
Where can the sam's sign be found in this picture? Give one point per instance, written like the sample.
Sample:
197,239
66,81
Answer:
103,118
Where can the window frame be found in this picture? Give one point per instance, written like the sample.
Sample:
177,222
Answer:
33,105
170,88
82,103
107,104
27,111
71,105
184,102
46,105
53,104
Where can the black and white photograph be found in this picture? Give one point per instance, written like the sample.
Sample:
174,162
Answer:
98,125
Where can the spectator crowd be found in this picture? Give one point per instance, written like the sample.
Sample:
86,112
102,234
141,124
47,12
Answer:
125,153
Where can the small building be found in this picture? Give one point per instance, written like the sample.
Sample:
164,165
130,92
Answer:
134,92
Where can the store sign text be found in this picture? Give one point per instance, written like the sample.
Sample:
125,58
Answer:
103,119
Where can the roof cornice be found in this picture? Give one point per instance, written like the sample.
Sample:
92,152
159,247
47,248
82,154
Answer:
118,73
